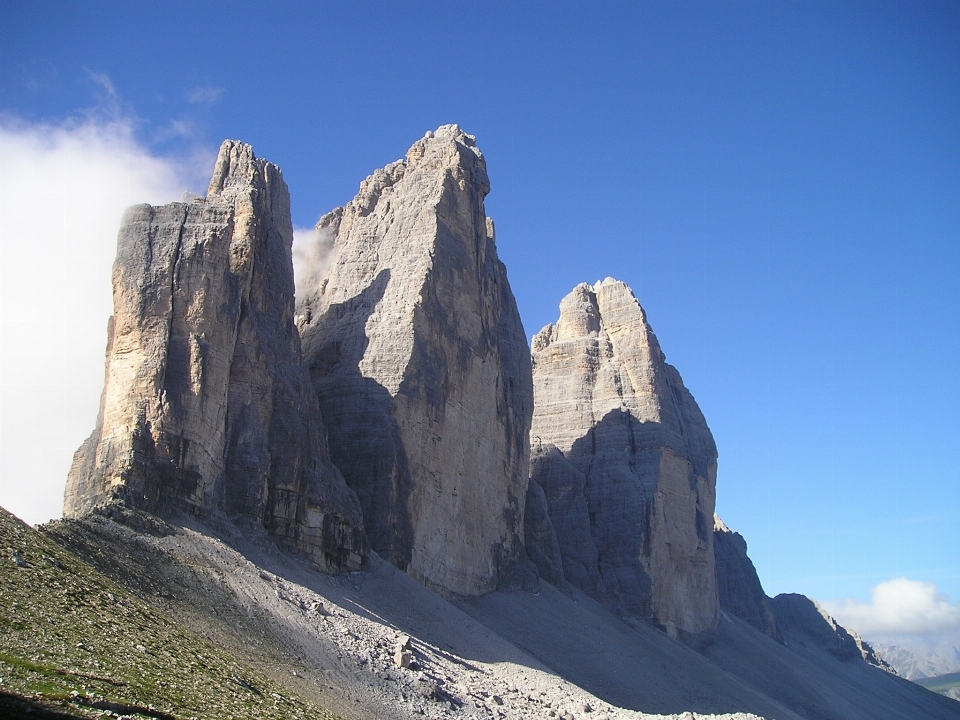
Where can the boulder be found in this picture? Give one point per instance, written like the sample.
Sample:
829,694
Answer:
206,406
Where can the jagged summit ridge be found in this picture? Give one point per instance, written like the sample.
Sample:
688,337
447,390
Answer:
420,362
625,460
738,585
206,406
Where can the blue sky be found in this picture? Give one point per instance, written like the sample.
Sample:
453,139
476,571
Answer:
778,182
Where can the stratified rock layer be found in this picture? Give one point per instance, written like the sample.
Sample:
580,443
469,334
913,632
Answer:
625,460
738,584
420,362
206,406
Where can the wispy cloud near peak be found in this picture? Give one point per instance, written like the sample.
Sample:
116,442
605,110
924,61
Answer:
206,95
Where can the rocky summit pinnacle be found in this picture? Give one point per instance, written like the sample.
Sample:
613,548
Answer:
626,464
206,405
418,356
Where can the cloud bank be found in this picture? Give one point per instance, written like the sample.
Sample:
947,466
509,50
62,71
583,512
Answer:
63,189
898,607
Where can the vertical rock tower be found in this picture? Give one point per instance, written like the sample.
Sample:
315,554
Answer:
206,405
420,362
626,463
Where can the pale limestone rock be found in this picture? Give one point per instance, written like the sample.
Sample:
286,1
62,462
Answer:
206,406
420,362
626,462
738,584
403,659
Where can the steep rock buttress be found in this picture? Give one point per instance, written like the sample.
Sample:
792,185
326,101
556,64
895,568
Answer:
420,362
626,463
206,405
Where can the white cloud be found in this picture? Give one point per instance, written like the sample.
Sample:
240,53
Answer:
313,253
103,81
205,95
63,189
898,607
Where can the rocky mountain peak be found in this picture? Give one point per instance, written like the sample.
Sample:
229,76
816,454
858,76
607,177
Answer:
206,406
419,359
804,622
237,168
626,463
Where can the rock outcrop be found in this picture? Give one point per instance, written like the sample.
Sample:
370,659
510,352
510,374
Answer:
540,537
206,405
805,623
626,462
738,585
420,362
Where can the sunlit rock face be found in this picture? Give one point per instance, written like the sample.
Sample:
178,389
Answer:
626,462
206,405
738,584
421,365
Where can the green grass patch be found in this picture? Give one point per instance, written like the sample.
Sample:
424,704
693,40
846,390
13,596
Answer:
940,683
69,632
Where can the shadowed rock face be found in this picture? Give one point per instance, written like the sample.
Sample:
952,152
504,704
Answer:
206,406
541,539
419,359
738,585
804,622
626,462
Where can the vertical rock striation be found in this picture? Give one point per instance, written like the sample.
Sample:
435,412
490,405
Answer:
738,585
206,406
420,362
626,462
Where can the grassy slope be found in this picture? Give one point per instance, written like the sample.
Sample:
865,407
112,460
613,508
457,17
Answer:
940,683
72,639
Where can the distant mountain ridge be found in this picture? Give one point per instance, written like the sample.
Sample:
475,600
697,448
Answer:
922,658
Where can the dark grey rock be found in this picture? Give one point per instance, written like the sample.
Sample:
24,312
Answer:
738,585
804,622
540,538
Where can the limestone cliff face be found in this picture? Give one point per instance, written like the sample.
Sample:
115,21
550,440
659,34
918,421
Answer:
738,584
625,460
420,362
206,406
